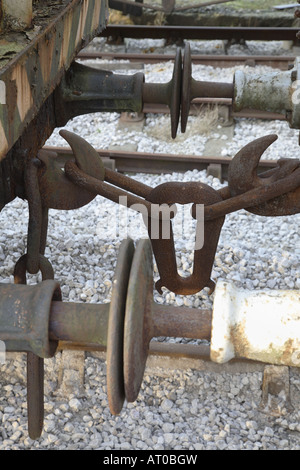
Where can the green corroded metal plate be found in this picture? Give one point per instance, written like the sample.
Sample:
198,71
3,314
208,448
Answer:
114,354
31,74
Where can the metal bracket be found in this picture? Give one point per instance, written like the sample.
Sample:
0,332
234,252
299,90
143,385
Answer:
24,317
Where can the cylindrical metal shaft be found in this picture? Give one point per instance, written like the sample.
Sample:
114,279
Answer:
181,322
86,324
157,93
79,323
211,89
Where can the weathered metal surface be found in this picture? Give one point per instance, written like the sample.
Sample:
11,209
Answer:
79,323
268,91
95,186
223,61
150,207
258,325
167,93
26,147
36,222
86,90
115,333
57,191
137,326
163,241
145,319
31,76
192,88
32,262
135,162
35,395
275,193
24,317
16,15
274,91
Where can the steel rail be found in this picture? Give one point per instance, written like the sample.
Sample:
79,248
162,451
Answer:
140,162
202,32
279,62
197,103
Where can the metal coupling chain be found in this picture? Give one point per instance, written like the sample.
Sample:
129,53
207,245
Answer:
273,193
32,262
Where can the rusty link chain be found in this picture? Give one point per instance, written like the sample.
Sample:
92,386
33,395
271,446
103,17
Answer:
273,193
255,197
247,200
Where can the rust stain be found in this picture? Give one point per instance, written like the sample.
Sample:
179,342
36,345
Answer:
287,351
24,96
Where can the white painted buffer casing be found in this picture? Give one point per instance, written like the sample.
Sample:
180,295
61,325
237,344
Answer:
257,325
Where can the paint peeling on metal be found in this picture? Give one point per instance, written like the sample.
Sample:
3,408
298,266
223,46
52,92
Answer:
34,72
257,325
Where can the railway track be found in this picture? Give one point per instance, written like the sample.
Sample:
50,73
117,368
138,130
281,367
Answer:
142,162
222,61
176,33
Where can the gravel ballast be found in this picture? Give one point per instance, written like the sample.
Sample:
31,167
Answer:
177,409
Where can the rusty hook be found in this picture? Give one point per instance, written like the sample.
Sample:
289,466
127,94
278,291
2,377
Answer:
163,243
57,191
243,177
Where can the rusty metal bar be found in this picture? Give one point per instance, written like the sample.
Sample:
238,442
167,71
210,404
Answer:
211,89
86,90
202,32
256,197
106,190
16,15
35,395
278,62
85,325
79,323
124,182
182,322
